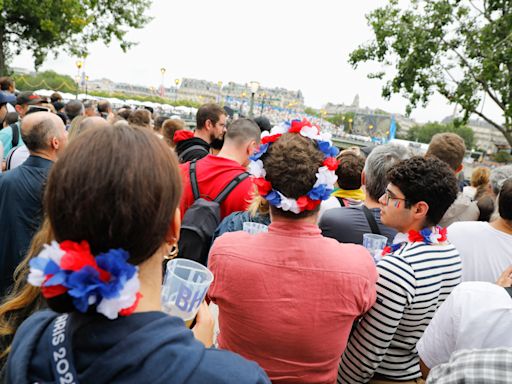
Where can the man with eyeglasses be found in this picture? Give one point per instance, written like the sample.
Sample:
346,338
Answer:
416,274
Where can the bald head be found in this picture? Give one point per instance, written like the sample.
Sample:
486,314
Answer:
40,129
92,122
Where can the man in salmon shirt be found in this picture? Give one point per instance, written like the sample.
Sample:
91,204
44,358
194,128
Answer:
288,297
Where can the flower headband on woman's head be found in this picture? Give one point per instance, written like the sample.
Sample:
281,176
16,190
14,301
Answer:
107,281
325,177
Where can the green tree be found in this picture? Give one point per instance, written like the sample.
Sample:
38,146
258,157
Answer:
459,48
311,111
423,133
47,79
44,26
337,119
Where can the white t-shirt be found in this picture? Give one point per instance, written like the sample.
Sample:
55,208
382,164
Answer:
477,314
16,157
485,252
330,203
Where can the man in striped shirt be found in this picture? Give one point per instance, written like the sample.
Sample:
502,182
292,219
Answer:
414,279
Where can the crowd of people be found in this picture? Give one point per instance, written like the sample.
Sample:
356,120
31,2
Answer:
94,202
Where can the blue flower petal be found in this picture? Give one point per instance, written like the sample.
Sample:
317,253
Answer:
273,198
38,263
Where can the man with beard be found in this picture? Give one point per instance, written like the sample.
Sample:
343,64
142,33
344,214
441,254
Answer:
210,127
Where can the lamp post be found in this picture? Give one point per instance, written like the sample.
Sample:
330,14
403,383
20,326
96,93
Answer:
219,83
162,87
263,95
242,103
177,82
253,86
350,125
79,64
86,81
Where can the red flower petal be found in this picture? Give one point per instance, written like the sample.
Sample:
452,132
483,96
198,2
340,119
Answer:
415,236
302,203
271,138
264,187
331,163
312,204
128,311
52,290
443,232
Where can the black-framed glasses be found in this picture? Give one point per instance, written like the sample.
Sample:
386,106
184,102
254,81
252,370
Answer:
388,195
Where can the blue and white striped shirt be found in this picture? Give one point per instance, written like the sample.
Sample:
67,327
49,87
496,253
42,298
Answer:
413,282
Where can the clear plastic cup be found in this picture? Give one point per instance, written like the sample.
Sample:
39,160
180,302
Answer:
185,285
375,244
254,228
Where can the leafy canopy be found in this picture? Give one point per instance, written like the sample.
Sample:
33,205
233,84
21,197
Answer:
459,48
45,26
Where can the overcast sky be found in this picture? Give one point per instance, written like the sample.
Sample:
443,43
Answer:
295,44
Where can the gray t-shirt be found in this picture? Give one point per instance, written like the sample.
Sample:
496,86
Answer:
348,224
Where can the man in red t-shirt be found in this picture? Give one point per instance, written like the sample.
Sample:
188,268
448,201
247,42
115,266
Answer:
214,173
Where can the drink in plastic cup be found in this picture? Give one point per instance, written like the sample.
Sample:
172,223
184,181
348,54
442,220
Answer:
254,228
185,285
374,244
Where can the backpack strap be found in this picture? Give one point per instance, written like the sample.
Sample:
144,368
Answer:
190,149
193,179
371,220
15,134
232,184
342,202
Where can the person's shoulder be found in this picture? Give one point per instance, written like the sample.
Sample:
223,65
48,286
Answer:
230,240
340,215
219,366
462,227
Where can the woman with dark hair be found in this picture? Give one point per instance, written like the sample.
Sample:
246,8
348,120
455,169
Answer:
287,298
111,201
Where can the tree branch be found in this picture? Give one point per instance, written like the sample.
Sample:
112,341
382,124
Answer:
478,80
494,124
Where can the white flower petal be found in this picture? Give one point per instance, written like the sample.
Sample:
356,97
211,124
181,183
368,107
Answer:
311,132
52,252
36,277
111,307
282,128
256,168
264,134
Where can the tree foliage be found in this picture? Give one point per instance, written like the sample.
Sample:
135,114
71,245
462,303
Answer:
423,133
45,26
459,48
47,79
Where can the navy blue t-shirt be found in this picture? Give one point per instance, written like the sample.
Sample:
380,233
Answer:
21,195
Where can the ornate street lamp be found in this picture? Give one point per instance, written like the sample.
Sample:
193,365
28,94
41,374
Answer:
253,86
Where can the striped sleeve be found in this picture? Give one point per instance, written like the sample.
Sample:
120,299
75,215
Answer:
368,344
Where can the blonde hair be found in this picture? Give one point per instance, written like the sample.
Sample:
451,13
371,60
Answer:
480,176
24,299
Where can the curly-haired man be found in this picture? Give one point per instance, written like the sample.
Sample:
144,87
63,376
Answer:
415,277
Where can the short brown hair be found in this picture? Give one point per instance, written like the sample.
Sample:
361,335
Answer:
349,170
140,118
448,147
210,112
169,128
291,164
5,83
115,187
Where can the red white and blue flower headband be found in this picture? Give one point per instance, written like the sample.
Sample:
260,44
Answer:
106,281
325,177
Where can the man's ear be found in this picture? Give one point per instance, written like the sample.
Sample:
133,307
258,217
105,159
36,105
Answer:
173,233
363,178
420,210
54,143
